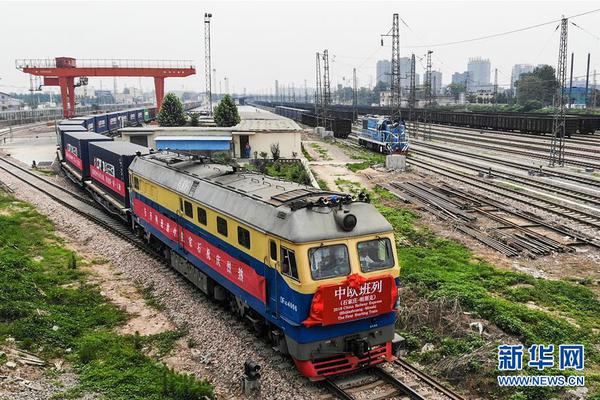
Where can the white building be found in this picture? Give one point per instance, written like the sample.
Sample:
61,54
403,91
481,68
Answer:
479,74
258,129
9,103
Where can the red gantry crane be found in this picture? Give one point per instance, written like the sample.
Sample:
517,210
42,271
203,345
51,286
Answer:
62,72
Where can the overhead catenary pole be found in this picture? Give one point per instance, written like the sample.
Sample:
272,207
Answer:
412,100
354,95
571,81
318,90
395,87
587,81
495,87
305,92
326,85
207,61
429,94
557,147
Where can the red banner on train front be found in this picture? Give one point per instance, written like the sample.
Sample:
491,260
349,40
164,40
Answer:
356,298
229,267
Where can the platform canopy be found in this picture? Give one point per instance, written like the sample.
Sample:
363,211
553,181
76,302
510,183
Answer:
206,143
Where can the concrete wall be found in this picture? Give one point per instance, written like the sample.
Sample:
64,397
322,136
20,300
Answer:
289,143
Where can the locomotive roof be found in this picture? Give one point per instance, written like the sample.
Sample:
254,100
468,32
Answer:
262,202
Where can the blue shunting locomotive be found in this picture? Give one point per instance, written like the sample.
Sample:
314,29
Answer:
384,135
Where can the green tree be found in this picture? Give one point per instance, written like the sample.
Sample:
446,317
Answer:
171,112
194,119
456,89
540,85
226,113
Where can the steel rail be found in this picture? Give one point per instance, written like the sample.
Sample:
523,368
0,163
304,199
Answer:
575,215
556,189
434,383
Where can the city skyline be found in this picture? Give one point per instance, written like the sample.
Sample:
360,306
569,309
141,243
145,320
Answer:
236,37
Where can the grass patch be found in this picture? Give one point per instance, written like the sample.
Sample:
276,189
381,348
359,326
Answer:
293,172
48,306
348,186
369,158
306,155
322,151
150,298
435,268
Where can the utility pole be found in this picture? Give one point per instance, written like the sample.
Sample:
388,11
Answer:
429,94
305,92
412,100
276,90
326,84
318,90
594,91
571,80
293,93
495,87
207,67
557,148
354,95
587,81
395,88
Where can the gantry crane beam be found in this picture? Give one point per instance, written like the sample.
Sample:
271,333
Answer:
62,72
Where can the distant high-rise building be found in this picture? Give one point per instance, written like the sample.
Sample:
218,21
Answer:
384,70
517,71
479,70
460,77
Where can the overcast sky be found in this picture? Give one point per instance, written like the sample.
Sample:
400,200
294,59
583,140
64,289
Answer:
255,43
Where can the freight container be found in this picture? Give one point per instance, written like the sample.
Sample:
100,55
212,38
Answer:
113,121
101,123
76,150
140,116
109,164
66,128
146,115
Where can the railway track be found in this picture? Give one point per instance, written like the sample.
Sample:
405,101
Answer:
377,384
530,143
75,202
505,147
94,213
519,179
574,139
513,164
554,207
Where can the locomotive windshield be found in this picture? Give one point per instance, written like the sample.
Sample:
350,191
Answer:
329,261
375,254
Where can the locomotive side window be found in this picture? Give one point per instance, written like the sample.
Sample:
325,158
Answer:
136,183
201,215
243,237
375,254
329,261
186,207
273,250
222,226
288,263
